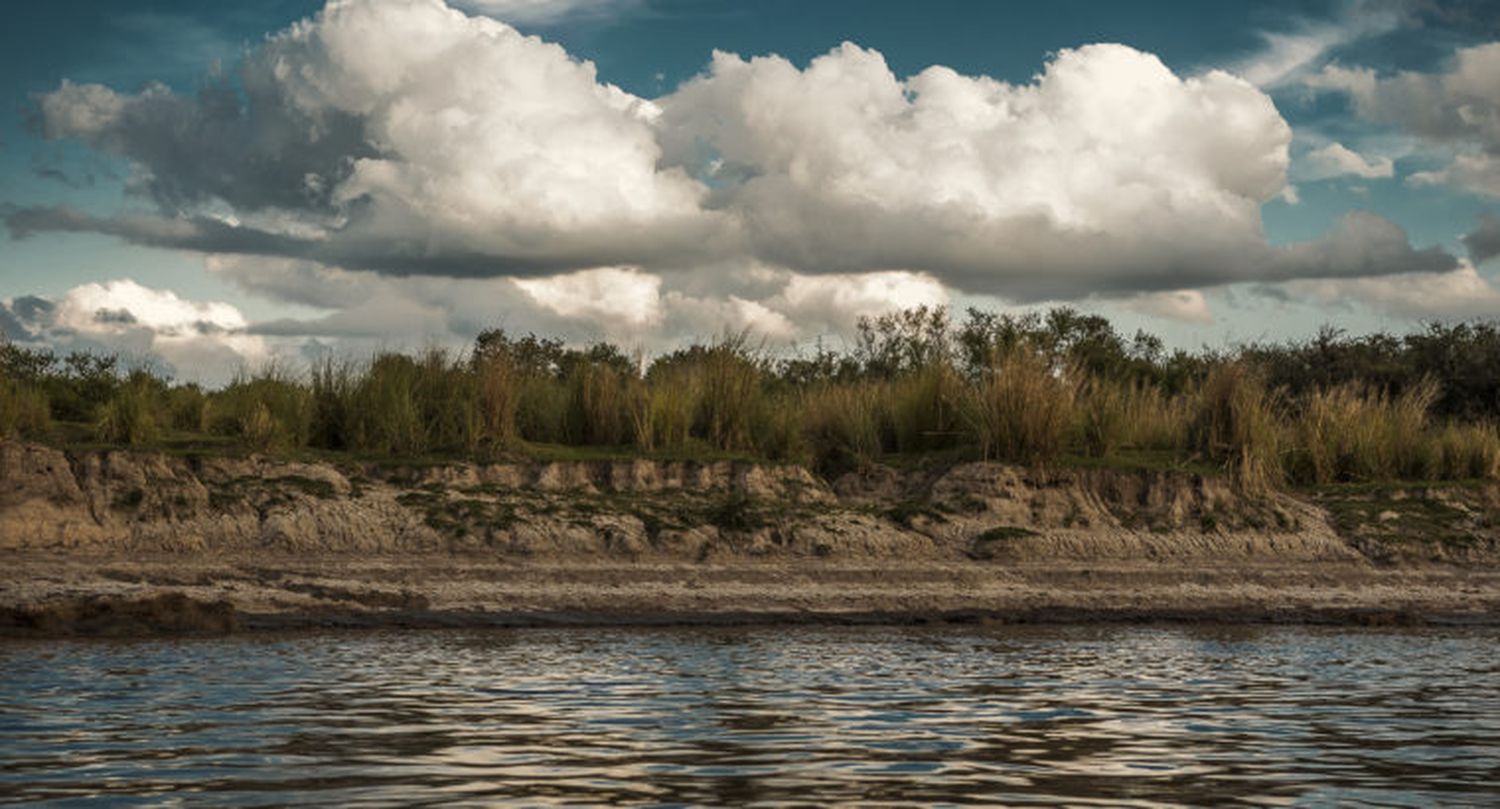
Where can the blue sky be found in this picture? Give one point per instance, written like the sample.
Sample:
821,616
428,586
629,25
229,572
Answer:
1360,121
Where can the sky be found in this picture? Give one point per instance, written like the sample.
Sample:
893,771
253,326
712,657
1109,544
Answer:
211,187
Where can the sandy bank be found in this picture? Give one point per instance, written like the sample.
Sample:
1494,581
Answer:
118,542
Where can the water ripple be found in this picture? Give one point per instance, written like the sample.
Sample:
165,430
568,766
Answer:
1075,715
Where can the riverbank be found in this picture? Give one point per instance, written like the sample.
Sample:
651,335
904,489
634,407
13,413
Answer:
114,542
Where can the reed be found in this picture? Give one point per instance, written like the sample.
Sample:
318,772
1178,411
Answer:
25,411
129,418
268,410
1236,425
842,424
1021,407
1026,389
926,408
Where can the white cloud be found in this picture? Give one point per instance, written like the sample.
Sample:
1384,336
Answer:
836,302
1338,160
626,298
546,12
199,340
1478,174
408,138
408,134
1186,305
1457,295
1108,170
1288,55
1458,108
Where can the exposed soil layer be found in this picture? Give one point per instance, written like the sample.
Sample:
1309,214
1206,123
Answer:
109,543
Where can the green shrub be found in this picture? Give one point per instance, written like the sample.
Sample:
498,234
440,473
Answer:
187,408
270,410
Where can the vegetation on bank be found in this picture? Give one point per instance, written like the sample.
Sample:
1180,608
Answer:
1033,389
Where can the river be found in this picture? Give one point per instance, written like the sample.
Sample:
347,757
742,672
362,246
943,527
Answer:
1070,714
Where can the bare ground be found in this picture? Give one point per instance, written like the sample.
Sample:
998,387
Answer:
110,543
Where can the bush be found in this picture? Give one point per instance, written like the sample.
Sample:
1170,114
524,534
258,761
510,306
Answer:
267,411
187,408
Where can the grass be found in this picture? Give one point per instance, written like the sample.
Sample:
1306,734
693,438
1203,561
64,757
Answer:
915,391
1022,407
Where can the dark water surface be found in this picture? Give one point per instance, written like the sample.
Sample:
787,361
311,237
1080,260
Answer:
1113,715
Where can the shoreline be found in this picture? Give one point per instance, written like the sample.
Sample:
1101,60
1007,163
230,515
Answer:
110,597
109,542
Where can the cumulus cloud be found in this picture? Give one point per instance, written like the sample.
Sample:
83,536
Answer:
405,137
1459,294
401,133
1459,107
629,297
1186,305
1478,174
547,12
1483,243
204,340
626,305
1108,175
1338,160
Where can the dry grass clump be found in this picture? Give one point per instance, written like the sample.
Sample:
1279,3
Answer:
1021,408
1468,451
1355,433
1236,425
24,410
843,424
926,407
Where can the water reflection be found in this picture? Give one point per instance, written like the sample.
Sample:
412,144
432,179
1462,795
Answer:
1117,715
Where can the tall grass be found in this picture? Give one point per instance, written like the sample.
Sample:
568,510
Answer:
24,410
926,408
598,405
1353,433
267,410
1236,425
1022,407
130,417
1025,389
671,403
728,384
843,424
1468,451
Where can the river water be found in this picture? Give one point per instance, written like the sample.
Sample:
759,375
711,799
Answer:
1108,714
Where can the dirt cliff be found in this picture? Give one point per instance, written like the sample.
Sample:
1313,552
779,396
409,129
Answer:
277,536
